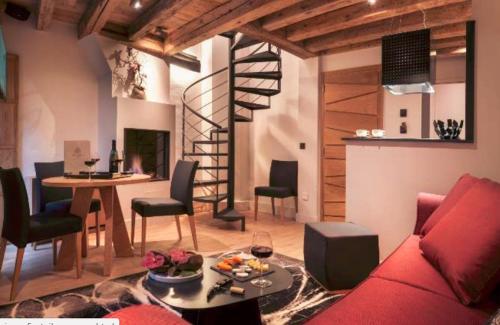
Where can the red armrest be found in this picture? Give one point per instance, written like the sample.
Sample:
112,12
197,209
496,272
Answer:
426,204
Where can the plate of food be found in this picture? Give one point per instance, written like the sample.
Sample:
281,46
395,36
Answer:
241,267
177,266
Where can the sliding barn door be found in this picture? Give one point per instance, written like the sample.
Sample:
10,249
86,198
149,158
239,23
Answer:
352,99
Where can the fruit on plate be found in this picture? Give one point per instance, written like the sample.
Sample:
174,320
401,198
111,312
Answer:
257,265
224,266
234,261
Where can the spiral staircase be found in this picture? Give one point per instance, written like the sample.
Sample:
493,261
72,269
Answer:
211,107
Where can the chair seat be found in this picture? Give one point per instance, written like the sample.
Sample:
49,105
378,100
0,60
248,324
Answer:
45,226
151,207
65,205
272,191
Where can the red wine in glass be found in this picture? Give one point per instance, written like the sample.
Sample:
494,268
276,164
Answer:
262,247
262,251
90,163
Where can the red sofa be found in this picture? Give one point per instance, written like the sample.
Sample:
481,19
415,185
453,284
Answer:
406,289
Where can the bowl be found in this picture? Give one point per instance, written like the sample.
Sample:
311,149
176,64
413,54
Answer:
378,133
362,133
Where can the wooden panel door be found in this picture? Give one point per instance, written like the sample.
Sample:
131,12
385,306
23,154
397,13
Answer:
352,99
8,115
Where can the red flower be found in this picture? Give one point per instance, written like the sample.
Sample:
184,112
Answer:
153,261
179,256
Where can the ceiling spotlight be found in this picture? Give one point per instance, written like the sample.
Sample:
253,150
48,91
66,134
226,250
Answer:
136,4
372,2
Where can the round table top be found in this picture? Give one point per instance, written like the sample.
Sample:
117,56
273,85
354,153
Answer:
192,295
78,182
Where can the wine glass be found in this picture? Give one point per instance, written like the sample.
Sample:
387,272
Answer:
90,163
262,247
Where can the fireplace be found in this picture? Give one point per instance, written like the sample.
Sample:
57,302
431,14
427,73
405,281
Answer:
147,152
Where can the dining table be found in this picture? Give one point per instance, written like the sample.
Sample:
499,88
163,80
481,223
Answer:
116,235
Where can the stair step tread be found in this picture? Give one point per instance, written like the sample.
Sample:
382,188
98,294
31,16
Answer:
210,198
209,182
272,75
222,130
212,167
190,154
241,118
258,91
259,57
245,41
251,106
209,141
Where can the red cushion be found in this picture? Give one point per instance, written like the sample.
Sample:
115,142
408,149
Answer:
380,301
465,244
146,314
407,265
458,190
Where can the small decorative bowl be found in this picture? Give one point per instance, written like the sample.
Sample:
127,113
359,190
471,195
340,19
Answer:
362,133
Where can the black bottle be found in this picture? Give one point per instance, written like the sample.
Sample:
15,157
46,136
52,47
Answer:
113,158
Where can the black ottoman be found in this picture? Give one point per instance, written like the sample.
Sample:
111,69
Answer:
339,255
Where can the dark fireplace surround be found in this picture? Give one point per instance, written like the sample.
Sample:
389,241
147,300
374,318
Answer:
147,152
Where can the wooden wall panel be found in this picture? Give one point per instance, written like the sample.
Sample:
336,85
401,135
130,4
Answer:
334,151
334,167
335,92
8,115
350,122
334,209
334,137
338,181
333,194
366,104
7,125
363,76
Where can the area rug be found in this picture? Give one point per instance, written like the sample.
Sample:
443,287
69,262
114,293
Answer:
303,300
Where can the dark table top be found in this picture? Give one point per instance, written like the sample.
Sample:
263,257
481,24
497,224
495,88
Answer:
193,294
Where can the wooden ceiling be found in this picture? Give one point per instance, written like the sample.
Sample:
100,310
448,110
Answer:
305,28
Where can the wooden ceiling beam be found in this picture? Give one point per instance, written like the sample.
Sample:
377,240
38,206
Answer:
152,16
449,42
360,14
447,31
452,14
254,31
153,47
226,17
95,16
45,13
302,11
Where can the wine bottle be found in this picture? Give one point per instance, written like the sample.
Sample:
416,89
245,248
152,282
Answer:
113,158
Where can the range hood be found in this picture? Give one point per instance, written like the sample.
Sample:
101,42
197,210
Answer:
406,63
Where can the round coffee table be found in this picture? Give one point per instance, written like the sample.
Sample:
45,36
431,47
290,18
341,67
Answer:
224,308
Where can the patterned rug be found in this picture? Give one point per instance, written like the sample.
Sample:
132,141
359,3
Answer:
294,306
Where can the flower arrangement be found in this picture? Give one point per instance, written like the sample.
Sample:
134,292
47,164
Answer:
177,262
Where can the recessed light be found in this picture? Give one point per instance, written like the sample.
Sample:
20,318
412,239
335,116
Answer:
372,2
136,4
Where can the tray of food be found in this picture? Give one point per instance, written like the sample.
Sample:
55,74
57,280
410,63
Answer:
241,267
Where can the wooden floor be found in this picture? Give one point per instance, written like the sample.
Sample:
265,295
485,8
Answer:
214,236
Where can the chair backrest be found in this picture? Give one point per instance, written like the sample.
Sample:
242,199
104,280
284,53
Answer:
284,174
181,188
16,207
45,170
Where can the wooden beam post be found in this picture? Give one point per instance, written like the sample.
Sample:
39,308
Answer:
95,16
45,13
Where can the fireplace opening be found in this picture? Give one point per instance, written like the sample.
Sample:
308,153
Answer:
147,152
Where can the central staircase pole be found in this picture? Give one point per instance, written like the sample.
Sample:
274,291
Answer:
231,129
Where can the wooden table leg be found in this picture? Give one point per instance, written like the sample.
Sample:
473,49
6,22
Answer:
116,232
79,207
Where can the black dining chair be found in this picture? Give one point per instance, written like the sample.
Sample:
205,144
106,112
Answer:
282,184
180,202
51,199
20,228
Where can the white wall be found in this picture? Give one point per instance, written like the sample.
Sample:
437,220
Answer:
277,132
58,92
384,179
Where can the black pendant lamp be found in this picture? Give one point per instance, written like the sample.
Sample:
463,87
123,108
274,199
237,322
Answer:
406,63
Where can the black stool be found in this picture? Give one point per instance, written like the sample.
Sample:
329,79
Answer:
339,255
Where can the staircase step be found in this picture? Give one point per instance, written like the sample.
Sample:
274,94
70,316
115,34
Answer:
194,154
222,130
209,142
245,41
212,167
259,57
210,198
258,91
209,182
241,118
251,106
272,75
